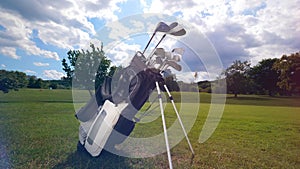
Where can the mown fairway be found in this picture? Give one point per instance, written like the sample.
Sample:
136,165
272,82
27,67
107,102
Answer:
38,130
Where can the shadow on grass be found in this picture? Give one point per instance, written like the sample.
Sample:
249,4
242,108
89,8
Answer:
4,159
250,98
35,101
263,100
81,159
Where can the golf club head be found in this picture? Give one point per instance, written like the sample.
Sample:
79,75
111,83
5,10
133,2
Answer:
158,60
172,57
181,32
179,51
172,64
178,30
168,55
176,57
157,63
162,27
173,25
159,51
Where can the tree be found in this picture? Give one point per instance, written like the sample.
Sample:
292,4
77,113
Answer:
204,86
12,80
265,77
288,68
170,80
39,83
87,69
236,77
31,81
53,85
35,82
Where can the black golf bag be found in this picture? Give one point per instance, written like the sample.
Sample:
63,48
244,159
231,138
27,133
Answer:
109,117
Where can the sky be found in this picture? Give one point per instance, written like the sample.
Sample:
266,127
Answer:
35,35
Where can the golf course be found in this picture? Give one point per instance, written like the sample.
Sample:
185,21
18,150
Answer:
39,130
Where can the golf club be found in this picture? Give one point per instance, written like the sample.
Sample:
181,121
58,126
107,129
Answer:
160,52
175,30
154,61
173,57
172,64
157,63
161,27
94,136
163,59
179,51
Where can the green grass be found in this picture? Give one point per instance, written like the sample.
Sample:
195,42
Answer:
38,130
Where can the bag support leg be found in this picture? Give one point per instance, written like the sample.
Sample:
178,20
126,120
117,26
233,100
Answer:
174,106
164,125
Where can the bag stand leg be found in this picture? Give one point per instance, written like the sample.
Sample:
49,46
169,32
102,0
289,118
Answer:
172,101
164,126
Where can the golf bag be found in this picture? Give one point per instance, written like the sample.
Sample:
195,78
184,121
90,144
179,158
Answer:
109,116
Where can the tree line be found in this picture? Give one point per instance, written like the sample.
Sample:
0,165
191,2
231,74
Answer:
14,80
270,76
276,76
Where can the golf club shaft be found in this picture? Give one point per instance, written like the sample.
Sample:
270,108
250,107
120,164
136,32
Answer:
151,54
149,42
164,125
174,106
160,41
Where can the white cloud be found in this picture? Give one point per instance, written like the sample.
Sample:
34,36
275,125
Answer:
17,35
186,77
202,75
62,36
52,74
144,4
3,65
30,72
155,7
122,53
10,52
103,9
189,77
119,30
40,64
63,24
241,29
